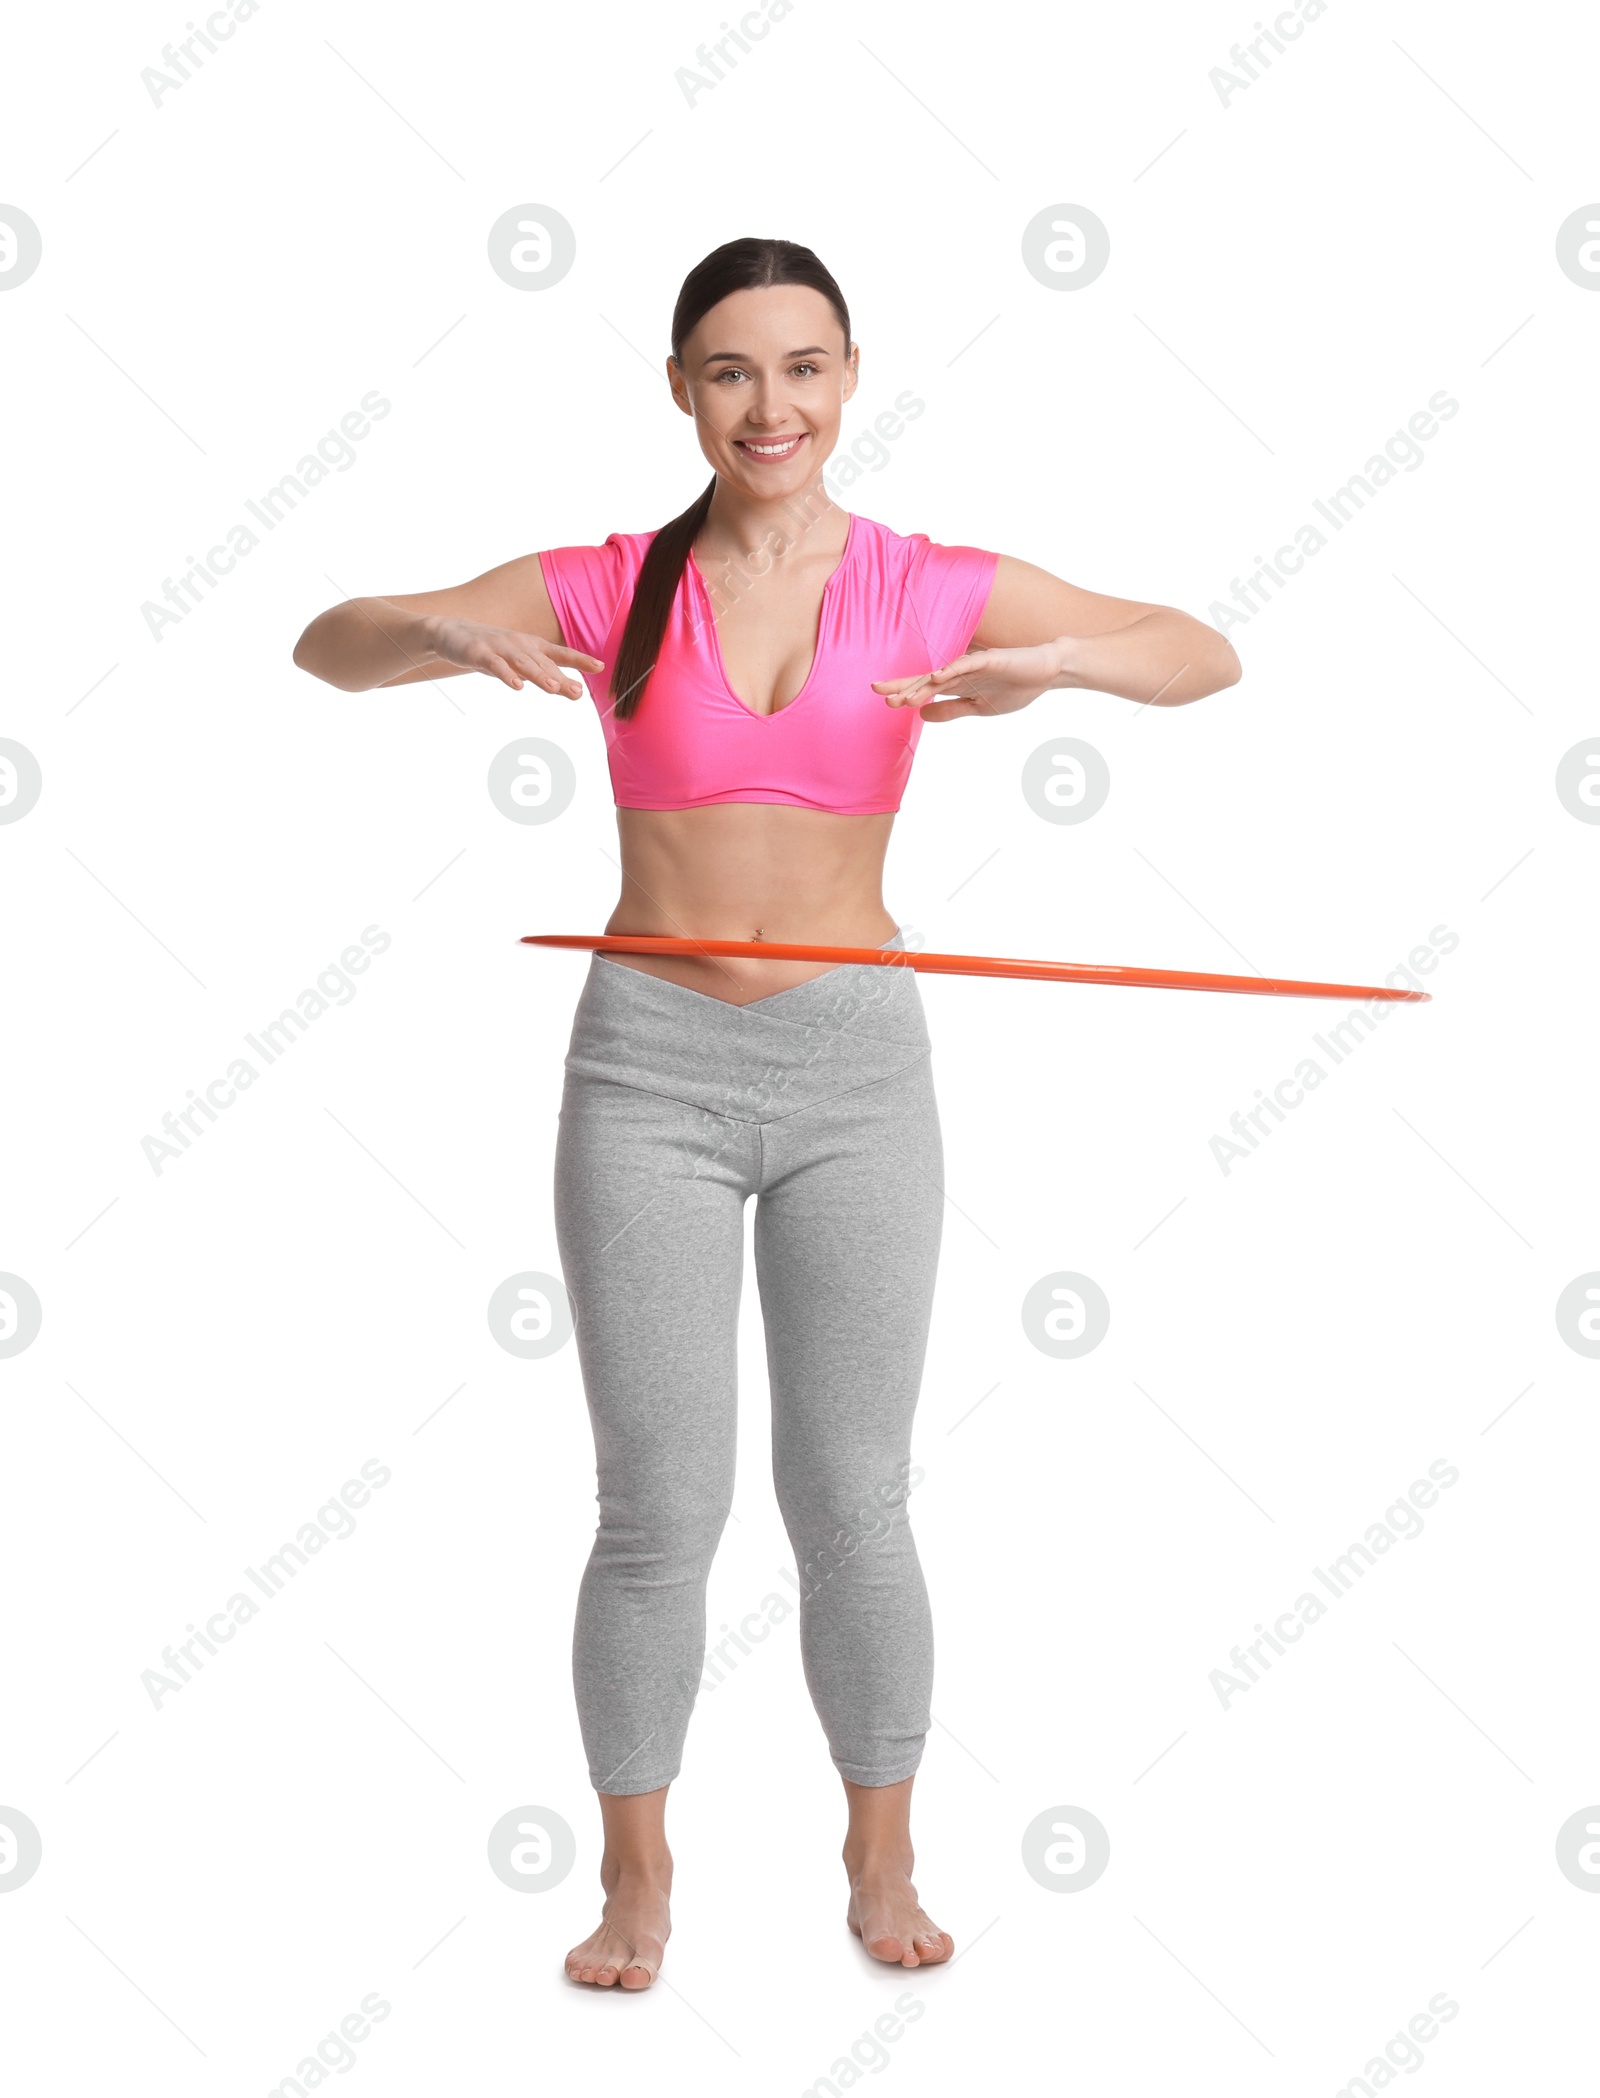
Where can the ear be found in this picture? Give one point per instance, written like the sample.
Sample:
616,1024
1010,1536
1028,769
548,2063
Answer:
679,385
851,371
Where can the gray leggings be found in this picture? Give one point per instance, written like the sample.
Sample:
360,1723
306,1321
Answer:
676,1108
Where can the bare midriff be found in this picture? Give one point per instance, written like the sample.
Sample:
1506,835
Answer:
742,870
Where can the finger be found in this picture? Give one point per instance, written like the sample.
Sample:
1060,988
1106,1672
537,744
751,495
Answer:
953,709
568,687
540,673
949,673
954,673
497,666
573,656
923,690
903,684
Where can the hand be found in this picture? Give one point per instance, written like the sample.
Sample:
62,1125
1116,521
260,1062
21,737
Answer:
511,657
989,681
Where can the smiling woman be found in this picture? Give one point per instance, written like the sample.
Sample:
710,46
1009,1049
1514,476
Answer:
763,666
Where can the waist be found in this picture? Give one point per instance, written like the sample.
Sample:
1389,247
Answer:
760,853
755,1061
750,871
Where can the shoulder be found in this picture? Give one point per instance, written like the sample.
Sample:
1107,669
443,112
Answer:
617,558
915,559
591,587
880,543
941,589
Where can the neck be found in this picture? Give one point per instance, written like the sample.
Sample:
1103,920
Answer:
743,527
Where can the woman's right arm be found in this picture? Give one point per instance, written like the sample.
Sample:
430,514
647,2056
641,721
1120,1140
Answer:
501,623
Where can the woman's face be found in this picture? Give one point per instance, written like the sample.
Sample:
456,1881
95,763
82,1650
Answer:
766,375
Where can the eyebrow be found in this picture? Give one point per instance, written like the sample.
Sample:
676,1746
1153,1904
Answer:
814,349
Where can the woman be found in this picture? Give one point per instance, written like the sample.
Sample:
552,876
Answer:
763,666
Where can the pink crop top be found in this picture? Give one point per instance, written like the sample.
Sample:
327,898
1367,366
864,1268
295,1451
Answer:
893,607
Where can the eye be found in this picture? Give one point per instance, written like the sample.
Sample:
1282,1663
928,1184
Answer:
731,371
811,368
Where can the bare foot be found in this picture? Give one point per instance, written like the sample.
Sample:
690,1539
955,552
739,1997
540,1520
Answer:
628,1948
886,1916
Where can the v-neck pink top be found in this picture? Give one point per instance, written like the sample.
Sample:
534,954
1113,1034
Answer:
893,607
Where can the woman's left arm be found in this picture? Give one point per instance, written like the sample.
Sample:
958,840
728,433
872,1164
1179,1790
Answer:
1039,634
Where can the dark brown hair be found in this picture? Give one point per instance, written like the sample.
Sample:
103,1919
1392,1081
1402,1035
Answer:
738,265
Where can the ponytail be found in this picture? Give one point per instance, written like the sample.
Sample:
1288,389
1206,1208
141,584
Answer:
659,576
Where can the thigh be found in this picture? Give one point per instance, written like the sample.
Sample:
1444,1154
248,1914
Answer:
649,1196
847,1235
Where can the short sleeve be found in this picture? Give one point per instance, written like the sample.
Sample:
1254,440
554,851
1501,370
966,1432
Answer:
588,586
949,587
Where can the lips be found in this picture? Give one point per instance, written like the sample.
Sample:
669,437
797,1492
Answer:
774,450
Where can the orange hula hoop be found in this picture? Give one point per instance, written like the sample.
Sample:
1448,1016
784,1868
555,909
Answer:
976,965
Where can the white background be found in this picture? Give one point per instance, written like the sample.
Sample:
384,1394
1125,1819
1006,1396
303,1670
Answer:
304,1289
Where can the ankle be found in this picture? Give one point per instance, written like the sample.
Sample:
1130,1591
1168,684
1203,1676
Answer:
865,1861
636,1869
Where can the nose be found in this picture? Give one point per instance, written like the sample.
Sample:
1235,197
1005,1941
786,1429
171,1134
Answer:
769,406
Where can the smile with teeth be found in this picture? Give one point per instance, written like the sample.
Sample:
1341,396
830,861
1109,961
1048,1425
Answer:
779,448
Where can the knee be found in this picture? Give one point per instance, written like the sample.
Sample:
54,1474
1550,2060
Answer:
864,1500
855,1534
669,1534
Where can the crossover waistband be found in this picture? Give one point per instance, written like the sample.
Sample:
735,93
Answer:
849,1027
